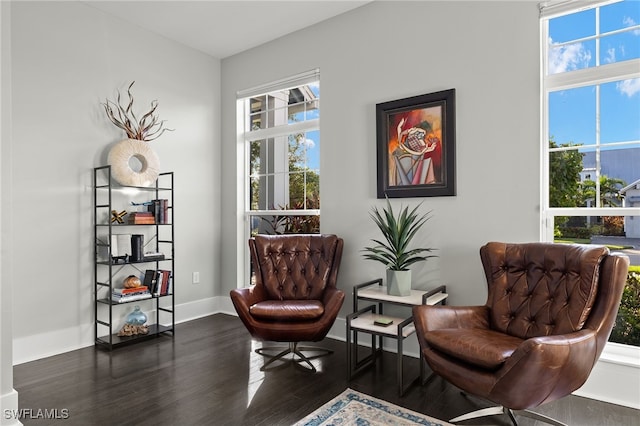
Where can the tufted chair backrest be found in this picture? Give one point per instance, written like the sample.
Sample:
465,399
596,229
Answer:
540,289
296,266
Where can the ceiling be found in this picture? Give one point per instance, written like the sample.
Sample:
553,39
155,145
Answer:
224,28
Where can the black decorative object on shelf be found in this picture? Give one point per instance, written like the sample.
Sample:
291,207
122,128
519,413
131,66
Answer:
137,245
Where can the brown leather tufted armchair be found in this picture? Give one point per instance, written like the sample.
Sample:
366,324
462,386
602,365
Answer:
294,298
549,312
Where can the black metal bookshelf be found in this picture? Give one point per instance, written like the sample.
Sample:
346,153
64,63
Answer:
109,314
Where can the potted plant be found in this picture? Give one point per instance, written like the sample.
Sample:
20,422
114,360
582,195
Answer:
394,252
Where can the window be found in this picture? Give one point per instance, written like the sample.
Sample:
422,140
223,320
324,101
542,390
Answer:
591,134
281,148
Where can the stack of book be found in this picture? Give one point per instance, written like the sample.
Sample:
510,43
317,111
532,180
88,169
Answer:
160,210
141,218
123,295
158,281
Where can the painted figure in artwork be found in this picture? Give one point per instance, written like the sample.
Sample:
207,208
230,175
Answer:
415,151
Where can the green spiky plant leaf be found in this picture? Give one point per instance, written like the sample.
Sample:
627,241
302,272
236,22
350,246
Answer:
398,231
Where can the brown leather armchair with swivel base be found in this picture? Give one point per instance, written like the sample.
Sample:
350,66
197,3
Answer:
549,312
294,298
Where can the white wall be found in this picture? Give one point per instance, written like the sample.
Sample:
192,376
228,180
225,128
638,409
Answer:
8,395
67,57
384,51
391,50
488,52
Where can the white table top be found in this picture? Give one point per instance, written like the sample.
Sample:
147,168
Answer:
366,322
379,293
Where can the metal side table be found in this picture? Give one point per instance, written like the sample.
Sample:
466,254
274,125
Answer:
364,321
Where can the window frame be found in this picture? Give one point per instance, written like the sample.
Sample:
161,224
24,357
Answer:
585,77
245,137
622,355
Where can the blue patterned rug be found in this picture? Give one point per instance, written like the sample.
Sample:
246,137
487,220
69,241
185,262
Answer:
355,408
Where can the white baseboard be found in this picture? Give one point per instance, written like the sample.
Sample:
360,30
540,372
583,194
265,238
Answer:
38,346
43,345
615,379
10,412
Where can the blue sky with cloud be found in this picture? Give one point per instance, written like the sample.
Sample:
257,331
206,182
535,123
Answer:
572,112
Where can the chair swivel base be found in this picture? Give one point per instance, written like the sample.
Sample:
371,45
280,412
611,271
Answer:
294,349
493,411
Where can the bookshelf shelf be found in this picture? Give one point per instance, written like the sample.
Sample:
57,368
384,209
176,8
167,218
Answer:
112,262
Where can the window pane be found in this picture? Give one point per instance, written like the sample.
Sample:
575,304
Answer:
297,190
284,224
615,164
258,193
571,57
573,26
614,232
572,116
257,116
257,152
594,139
312,110
574,180
304,150
297,151
620,111
564,178
619,47
619,15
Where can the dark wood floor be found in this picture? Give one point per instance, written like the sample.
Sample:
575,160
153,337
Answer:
209,375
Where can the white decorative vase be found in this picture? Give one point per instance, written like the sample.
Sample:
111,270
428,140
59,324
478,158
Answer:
134,163
398,282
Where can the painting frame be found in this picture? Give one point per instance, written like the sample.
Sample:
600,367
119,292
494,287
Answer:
416,146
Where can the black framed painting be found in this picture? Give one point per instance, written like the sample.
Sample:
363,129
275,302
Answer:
416,146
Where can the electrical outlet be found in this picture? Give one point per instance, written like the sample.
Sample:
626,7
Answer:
195,279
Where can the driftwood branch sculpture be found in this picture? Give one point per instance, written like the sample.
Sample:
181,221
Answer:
148,128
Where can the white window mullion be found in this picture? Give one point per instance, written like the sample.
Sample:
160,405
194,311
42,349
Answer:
284,130
608,73
598,147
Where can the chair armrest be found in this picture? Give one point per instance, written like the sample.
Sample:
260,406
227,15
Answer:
332,300
247,296
558,365
436,317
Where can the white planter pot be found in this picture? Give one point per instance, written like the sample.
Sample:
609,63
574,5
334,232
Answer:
399,282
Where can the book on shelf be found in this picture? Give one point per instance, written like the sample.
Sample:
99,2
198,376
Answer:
123,298
152,256
137,218
159,282
132,290
159,209
150,279
164,282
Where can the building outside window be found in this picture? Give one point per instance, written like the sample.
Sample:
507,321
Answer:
281,148
591,135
